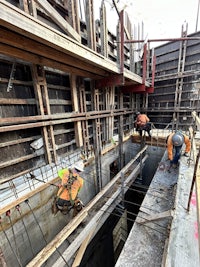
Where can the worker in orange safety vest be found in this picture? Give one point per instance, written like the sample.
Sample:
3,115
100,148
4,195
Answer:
175,142
67,195
142,123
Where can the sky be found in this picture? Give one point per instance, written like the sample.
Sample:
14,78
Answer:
161,18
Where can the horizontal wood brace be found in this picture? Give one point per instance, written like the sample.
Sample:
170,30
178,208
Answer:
18,160
27,196
58,118
154,217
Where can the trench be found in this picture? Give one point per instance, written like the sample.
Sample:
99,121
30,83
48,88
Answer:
102,250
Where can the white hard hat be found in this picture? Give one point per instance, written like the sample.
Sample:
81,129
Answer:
79,166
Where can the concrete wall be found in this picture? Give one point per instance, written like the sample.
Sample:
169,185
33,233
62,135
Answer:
40,225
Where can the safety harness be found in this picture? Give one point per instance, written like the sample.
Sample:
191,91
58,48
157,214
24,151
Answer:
68,186
76,203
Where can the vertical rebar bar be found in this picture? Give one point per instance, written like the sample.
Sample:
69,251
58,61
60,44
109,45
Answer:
29,240
197,19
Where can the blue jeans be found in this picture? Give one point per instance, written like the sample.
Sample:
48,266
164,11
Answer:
177,155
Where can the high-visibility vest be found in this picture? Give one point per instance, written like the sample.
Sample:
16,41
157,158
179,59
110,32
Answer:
72,183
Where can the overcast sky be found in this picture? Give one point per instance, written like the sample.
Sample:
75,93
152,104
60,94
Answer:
161,18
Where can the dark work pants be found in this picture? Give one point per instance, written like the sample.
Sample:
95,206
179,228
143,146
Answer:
146,127
177,155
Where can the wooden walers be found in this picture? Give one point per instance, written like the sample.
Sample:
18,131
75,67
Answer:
43,106
84,123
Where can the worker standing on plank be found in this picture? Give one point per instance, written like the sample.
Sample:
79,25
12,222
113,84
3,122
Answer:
142,123
175,141
67,196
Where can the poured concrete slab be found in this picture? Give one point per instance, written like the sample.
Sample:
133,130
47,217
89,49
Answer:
183,249
164,234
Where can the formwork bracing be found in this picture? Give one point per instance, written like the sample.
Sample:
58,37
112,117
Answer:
69,91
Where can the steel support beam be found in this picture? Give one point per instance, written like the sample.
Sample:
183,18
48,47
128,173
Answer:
134,89
163,40
112,80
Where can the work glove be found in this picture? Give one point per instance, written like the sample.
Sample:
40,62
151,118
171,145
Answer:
186,154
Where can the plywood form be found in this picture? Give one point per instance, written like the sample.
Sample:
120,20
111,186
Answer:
50,93
172,74
58,19
36,30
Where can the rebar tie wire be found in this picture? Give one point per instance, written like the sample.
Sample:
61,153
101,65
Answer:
18,259
8,215
27,202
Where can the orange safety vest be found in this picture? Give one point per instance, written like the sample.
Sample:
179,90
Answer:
170,145
70,191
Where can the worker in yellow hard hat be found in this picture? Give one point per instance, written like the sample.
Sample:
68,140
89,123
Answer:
175,141
67,195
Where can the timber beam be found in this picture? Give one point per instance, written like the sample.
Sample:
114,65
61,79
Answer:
70,116
150,217
58,19
38,53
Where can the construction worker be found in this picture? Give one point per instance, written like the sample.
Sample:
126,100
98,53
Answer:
175,141
67,196
142,123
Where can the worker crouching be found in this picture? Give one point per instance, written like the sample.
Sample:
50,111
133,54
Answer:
175,141
67,196
142,123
